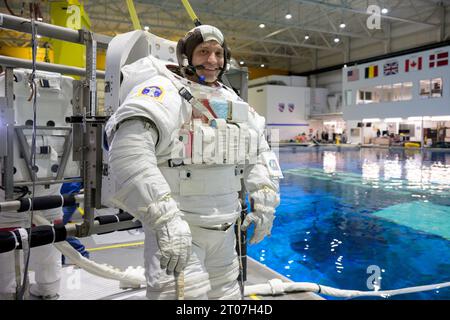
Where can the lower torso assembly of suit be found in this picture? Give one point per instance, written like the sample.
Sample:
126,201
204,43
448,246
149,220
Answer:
46,260
168,159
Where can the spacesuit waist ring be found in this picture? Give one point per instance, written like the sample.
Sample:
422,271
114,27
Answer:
221,227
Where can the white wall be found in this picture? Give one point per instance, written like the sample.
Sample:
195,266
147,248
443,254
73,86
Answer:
290,81
268,101
329,88
416,106
331,80
352,128
319,104
257,98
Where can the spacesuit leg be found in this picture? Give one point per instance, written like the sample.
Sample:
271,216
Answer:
8,283
46,261
161,286
47,264
221,262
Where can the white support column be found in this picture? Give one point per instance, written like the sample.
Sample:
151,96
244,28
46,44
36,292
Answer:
421,135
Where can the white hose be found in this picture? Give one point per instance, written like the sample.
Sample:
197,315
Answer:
131,278
134,278
277,287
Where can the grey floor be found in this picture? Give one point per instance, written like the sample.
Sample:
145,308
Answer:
124,249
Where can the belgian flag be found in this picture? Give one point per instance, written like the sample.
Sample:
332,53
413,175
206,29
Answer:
371,72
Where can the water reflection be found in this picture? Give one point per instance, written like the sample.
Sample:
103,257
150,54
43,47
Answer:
329,161
370,170
327,230
392,169
389,169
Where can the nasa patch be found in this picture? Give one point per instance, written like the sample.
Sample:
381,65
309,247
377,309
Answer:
152,91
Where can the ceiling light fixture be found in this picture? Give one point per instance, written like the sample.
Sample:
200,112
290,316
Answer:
262,25
288,16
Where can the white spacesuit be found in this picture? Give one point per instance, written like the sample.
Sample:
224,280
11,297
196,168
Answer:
53,103
177,162
46,260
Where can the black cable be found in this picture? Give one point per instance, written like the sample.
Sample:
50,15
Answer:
32,83
9,9
23,190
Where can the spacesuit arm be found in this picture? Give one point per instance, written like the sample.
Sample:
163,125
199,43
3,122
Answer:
140,183
261,180
260,175
144,192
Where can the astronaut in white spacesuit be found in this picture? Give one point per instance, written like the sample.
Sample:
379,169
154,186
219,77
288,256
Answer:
46,260
178,143
54,92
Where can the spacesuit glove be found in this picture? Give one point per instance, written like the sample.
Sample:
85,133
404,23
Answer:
264,201
174,241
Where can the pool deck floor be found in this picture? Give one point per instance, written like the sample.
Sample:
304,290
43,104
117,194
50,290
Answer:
78,284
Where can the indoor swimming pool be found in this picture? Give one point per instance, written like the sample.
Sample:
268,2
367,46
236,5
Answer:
362,219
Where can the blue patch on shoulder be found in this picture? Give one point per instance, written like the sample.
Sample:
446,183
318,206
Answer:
153,91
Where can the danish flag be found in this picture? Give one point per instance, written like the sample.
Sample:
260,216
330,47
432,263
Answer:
413,64
438,60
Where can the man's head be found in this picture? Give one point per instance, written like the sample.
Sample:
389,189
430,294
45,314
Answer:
203,53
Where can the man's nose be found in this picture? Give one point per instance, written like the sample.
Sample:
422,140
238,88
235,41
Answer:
212,58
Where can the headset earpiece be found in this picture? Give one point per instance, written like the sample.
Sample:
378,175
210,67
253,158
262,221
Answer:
185,61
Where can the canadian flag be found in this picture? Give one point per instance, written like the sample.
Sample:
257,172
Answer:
413,64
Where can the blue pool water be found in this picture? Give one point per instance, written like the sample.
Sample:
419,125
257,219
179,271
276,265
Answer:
348,216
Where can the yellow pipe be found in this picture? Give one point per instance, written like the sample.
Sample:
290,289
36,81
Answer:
133,15
191,12
25,53
115,246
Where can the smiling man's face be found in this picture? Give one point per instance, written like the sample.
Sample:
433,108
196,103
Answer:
210,55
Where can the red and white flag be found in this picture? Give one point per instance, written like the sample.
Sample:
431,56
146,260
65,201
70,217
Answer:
439,59
413,64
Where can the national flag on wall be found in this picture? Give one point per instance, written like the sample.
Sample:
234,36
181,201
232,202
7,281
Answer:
413,64
439,60
371,72
390,68
281,107
291,107
353,74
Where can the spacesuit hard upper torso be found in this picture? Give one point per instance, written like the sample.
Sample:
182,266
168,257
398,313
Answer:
202,163
54,93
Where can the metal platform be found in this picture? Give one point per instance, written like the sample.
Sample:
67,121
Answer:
125,248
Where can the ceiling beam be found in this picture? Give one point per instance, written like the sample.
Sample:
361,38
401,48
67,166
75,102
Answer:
254,53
